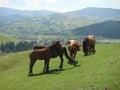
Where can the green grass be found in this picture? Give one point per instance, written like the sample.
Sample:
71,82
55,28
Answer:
94,72
5,38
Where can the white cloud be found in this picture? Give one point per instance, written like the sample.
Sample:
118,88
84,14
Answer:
39,4
50,1
4,2
33,4
115,1
59,5
51,8
78,4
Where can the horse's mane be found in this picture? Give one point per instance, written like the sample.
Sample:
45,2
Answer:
54,44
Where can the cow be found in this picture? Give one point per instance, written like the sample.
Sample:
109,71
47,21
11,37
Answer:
89,45
73,47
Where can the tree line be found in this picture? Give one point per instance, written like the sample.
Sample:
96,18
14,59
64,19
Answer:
12,47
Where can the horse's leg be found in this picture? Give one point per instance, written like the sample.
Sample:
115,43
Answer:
75,55
45,63
61,64
93,48
71,54
86,51
32,62
47,66
90,50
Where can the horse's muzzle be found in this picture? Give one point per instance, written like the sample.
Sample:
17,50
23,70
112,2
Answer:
75,62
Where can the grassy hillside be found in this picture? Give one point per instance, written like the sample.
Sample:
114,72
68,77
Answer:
100,71
5,38
108,29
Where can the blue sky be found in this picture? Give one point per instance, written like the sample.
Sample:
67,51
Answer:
59,5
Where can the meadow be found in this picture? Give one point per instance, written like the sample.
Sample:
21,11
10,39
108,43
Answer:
100,71
5,38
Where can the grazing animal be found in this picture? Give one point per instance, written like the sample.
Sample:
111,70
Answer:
38,47
73,47
45,53
89,45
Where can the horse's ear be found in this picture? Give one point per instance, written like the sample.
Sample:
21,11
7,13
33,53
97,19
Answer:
57,41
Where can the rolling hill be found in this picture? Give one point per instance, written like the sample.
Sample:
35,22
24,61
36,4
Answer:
5,38
101,13
109,29
20,23
10,11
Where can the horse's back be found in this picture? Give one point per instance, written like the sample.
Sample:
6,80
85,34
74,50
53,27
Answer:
89,40
90,37
39,53
38,47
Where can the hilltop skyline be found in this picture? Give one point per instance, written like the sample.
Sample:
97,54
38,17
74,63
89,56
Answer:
59,5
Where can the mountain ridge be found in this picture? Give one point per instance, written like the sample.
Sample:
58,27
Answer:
11,11
102,13
109,29
47,23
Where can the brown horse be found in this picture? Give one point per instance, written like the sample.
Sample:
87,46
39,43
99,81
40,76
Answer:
73,47
89,45
38,47
45,53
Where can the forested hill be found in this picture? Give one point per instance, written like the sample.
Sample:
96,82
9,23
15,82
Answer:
109,29
101,13
5,38
20,23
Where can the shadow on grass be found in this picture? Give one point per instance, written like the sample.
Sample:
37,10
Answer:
89,55
54,71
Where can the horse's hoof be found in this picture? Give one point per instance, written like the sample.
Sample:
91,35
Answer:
43,70
60,67
71,63
31,74
75,62
86,55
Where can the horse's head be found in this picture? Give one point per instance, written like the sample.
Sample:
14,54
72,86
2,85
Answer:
77,46
57,45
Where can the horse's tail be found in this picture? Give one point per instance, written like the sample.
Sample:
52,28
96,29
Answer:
72,61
